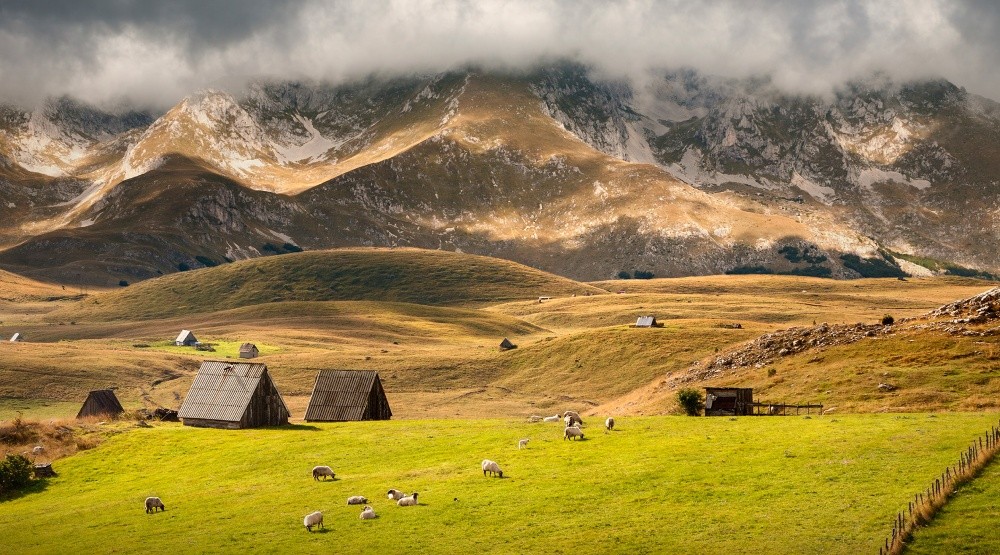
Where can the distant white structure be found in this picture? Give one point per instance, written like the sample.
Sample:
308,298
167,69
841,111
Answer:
646,322
15,338
186,338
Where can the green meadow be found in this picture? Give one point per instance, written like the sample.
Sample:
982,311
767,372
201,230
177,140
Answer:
656,484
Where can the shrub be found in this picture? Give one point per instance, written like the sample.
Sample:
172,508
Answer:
691,401
872,267
268,247
123,283
624,275
772,372
642,274
888,320
741,270
289,247
183,267
206,261
15,473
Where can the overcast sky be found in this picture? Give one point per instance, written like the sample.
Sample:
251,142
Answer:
156,52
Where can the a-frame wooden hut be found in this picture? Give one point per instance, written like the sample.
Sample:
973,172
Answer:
506,345
249,350
102,403
233,395
185,338
343,395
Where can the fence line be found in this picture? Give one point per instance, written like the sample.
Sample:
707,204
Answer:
927,503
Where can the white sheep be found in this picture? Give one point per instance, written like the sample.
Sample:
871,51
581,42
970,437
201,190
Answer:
153,503
319,471
408,501
523,443
492,467
572,432
395,494
357,500
367,513
38,450
554,418
313,519
573,417
609,424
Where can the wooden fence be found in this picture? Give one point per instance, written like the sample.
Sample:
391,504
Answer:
927,503
782,409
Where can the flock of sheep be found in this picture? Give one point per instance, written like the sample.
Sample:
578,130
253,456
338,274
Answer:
571,420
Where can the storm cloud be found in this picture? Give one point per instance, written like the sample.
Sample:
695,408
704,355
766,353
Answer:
157,52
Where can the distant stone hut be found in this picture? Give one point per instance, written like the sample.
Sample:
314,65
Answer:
186,339
16,338
347,395
233,395
101,403
249,350
647,322
728,401
506,345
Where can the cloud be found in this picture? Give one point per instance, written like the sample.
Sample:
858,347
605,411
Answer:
157,52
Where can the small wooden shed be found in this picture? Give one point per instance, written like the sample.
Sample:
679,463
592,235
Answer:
16,337
346,395
233,395
647,322
249,350
506,345
101,402
185,338
728,401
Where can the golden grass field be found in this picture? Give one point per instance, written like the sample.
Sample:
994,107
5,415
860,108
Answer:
432,330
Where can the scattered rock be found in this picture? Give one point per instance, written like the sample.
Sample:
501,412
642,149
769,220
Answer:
887,387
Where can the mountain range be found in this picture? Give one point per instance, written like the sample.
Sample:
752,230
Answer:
682,174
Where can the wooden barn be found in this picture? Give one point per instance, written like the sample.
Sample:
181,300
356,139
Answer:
233,395
344,395
728,401
506,345
102,403
185,338
249,350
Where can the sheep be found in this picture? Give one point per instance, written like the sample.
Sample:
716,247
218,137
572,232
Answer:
38,450
357,500
575,416
408,501
609,424
554,418
313,519
395,494
492,467
319,471
523,443
572,432
367,513
153,503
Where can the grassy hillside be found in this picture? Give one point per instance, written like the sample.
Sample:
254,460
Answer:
403,275
18,288
658,485
967,524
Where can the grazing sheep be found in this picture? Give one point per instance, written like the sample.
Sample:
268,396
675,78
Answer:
492,467
554,418
356,500
523,443
534,418
367,513
609,424
313,519
323,471
575,416
572,432
408,501
153,503
38,450
395,494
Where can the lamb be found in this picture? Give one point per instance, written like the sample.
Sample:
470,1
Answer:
572,432
323,471
575,416
153,503
313,519
554,418
395,494
609,424
492,467
523,443
408,501
368,513
356,500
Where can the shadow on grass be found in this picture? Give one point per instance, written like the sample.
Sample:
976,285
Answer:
292,428
36,486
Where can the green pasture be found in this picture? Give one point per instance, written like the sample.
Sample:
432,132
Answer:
223,348
655,485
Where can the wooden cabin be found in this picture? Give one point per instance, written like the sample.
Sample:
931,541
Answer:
186,338
728,401
347,395
233,395
506,345
102,403
249,350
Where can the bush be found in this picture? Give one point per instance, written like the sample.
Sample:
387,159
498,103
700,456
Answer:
206,261
268,247
772,372
642,274
15,473
123,283
743,270
289,247
183,267
691,401
888,320
624,275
